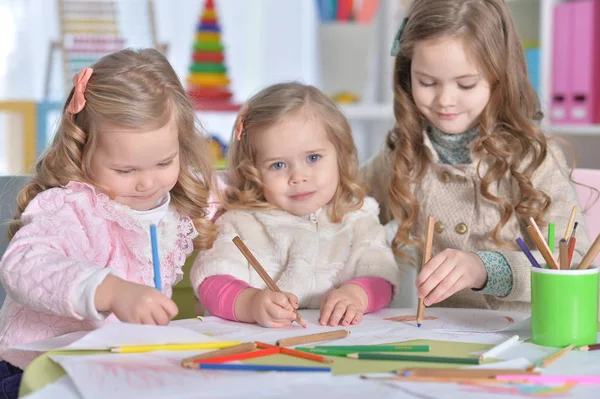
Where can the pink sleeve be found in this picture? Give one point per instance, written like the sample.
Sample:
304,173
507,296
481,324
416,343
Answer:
379,291
49,257
218,294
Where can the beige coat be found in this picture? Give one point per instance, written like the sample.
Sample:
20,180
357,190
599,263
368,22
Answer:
306,256
451,193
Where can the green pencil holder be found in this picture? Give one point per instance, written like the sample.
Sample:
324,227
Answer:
564,307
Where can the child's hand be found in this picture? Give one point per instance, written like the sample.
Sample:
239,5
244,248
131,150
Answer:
273,309
449,272
134,303
344,305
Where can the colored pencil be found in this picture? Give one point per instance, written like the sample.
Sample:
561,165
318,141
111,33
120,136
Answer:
426,258
500,347
552,358
232,350
551,237
413,358
296,353
552,379
540,243
344,10
572,243
527,252
590,255
155,258
570,225
345,352
563,254
454,380
460,373
593,347
239,356
262,272
260,367
306,339
173,347
377,348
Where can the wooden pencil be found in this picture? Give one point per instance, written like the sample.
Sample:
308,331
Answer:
306,339
296,353
460,373
590,255
262,272
552,358
232,350
414,358
426,258
540,243
571,222
232,358
593,347
563,254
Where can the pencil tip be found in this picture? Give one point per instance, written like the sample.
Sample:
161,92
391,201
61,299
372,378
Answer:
418,324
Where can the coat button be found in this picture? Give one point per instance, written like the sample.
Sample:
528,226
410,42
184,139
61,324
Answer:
445,176
439,226
461,228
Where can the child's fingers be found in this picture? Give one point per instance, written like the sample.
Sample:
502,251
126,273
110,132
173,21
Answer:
160,316
357,318
276,312
170,307
147,319
280,299
429,268
442,288
326,311
293,299
457,286
338,313
350,314
435,278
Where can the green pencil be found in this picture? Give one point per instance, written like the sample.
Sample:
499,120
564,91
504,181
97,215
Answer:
376,348
412,358
551,237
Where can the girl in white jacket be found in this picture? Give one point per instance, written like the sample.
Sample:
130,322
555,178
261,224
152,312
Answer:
296,202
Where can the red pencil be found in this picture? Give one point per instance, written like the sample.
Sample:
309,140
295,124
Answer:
240,356
344,10
572,243
593,347
293,352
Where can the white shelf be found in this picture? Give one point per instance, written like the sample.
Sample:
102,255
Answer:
574,130
381,112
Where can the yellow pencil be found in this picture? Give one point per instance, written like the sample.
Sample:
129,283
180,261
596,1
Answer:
174,347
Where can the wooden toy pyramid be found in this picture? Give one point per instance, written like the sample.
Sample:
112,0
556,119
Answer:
208,84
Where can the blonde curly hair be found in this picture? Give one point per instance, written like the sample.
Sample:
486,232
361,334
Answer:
129,89
269,107
508,130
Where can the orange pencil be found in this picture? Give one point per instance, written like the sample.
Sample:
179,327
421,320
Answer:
563,254
262,272
239,356
426,258
295,353
538,239
590,254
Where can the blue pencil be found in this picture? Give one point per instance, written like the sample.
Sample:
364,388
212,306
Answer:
528,253
155,258
259,367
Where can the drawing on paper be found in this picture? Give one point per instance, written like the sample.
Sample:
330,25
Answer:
457,320
521,390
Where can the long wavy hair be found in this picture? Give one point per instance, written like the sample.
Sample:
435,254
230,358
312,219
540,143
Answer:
269,107
508,130
129,89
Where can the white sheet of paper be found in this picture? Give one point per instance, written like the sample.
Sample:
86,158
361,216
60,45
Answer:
121,334
62,388
533,353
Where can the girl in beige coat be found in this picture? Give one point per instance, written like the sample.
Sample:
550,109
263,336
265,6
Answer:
466,148
296,202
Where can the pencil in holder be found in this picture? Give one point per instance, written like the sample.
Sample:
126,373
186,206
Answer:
564,306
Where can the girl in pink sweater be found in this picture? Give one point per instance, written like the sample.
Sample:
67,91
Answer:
298,205
127,154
